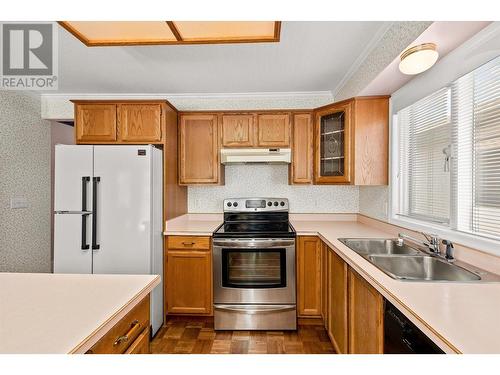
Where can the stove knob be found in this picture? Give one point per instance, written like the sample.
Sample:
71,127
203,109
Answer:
276,203
282,204
235,204
229,204
269,203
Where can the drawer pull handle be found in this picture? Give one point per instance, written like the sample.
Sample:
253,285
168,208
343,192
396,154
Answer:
135,326
188,243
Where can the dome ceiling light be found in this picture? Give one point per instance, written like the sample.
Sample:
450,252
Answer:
418,59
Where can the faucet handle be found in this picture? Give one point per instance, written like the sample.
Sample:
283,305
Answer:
433,242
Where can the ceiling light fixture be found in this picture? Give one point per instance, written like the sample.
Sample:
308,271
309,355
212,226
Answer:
418,59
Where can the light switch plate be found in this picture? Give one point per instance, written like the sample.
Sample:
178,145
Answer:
18,202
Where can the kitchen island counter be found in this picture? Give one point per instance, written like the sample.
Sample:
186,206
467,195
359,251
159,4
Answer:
63,313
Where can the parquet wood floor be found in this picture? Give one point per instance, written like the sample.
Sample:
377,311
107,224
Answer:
196,335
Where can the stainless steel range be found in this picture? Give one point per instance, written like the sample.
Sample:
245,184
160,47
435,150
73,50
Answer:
254,266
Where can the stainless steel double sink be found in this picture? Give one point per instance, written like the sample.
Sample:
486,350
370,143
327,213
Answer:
404,262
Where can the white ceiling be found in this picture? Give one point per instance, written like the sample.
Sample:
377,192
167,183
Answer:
311,56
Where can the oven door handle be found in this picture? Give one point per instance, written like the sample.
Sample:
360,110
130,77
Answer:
254,243
258,309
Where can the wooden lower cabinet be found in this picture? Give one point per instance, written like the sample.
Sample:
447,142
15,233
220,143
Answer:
366,308
352,309
337,311
129,336
188,276
324,283
140,345
308,276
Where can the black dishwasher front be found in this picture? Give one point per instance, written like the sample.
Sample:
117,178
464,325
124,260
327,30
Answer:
401,336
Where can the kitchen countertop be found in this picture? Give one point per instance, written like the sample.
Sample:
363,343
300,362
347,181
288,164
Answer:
459,317
62,313
193,225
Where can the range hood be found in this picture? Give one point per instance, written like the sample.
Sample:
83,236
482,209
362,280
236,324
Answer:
256,155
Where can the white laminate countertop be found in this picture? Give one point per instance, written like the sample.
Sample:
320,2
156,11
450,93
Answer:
62,313
459,317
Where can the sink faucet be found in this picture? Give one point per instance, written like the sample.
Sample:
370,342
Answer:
432,244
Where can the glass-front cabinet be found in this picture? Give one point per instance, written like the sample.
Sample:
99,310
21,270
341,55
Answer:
333,144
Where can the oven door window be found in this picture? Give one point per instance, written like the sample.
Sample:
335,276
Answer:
254,268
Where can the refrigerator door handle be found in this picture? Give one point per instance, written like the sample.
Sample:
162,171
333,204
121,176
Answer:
95,246
85,180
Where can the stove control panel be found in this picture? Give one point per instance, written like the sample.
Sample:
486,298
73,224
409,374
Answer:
255,204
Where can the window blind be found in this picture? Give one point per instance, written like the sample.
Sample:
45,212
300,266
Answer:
476,134
425,142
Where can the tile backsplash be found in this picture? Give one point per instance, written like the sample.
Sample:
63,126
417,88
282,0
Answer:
271,180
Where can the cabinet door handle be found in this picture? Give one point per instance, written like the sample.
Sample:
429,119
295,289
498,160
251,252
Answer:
135,326
188,243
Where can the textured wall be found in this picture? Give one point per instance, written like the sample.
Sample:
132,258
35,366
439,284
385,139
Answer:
59,107
24,172
373,201
263,180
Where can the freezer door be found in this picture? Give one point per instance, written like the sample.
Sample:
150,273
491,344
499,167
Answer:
122,239
72,252
73,164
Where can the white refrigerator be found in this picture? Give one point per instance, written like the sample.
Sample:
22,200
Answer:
108,213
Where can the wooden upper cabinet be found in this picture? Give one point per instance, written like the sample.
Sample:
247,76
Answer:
366,317
199,150
273,130
140,122
301,168
371,143
237,130
115,122
309,276
95,123
351,142
332,151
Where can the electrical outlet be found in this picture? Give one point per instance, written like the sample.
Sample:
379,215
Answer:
18,203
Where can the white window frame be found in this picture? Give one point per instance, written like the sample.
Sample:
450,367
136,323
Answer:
443,231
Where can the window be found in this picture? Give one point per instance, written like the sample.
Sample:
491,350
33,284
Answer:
449,155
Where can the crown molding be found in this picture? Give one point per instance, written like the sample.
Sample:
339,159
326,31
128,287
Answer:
372,44
203,96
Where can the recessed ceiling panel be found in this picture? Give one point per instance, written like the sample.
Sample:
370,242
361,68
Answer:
123,33
226,30
120,32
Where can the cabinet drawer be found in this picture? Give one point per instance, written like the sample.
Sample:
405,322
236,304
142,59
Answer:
188,243
122,335
140,345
